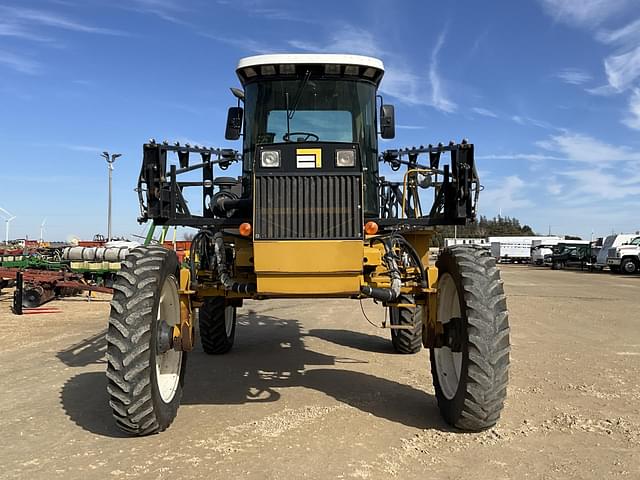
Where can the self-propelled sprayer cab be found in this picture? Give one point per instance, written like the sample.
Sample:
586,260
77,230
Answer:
312,112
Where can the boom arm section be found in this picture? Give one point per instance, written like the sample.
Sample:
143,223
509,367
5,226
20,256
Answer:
455,185
161,194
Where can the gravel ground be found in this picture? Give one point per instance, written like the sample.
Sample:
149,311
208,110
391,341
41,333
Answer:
311,390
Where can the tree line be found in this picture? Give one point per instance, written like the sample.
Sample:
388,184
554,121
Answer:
483,227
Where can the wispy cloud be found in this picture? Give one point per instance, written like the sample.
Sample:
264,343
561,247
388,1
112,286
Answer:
19,63
243,43
82,148
577,147
20,19
624,36
507,195
485,112
584,12
597,183
633,119
20,31
622,65
400,81
438,94
28,24
574,76
280,14
587,171
346,39
410,127
169,10
266,10
528,121
602,91
623,70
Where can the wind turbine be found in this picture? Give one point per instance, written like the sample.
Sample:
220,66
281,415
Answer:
7,220
42,230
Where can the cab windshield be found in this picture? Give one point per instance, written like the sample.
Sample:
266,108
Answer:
311,109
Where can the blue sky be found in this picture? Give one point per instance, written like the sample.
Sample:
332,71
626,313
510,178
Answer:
548,90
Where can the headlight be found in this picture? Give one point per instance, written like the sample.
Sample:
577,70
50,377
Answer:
270,158
345,158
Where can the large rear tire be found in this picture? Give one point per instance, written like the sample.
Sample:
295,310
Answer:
217,326
145,375
471,378
406,340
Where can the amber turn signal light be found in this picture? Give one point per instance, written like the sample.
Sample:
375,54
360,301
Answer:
245,229
371,228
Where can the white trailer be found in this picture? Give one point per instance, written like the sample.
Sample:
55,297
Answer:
448,242
514,252
515,248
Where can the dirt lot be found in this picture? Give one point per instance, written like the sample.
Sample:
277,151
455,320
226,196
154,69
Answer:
313,391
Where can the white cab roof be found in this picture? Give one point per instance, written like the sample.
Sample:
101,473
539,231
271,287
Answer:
310,58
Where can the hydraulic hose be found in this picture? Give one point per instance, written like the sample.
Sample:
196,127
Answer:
382,294
223,270
416,258
393,292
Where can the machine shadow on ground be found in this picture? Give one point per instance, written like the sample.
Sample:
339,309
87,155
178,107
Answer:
269,356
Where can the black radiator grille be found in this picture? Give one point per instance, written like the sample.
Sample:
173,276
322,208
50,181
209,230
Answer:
308,207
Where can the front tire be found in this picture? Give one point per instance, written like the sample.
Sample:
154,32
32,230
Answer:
217,326
406,340
145,375
629,266
470,378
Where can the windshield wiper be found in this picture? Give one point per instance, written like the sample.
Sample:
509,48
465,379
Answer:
292,112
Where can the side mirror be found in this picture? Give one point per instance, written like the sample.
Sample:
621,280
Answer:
387,121
234,123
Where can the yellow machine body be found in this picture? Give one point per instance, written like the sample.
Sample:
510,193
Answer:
308,267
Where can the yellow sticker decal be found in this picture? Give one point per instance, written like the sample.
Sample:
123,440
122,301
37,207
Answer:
305,157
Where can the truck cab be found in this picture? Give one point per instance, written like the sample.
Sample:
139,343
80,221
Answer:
625,258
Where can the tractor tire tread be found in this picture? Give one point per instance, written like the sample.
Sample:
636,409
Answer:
213,334
128,363
488,338
406,341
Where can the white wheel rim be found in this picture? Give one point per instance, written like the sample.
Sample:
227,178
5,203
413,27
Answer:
169,363
448,363
228,320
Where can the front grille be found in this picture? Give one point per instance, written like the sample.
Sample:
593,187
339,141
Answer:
289,207
613,253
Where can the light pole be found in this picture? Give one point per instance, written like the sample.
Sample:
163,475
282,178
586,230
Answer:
7,220
110,162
